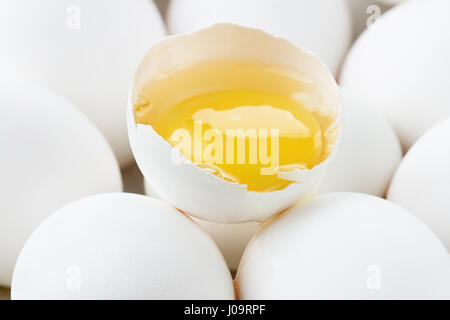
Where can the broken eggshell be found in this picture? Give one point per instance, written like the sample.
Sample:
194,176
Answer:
192,189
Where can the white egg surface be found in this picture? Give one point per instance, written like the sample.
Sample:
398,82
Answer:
401,66
422,181
345,246
366,138
322,26
231,238
85,50
120,246
51,154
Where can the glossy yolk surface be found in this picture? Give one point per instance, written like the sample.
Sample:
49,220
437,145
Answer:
244,136
241,121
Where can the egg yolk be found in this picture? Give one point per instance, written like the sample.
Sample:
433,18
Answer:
242,135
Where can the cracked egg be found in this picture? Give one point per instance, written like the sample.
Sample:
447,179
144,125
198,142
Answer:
232,124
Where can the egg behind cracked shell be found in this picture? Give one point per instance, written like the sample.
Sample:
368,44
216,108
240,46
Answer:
322,26
366,136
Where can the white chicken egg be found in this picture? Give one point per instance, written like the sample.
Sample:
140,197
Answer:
231,238
150,191
366,137
85,50
187,186
51,154
345,246
401,66
422,181
322,26
120,246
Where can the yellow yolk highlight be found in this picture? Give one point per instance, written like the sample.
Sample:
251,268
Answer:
243,136
245,133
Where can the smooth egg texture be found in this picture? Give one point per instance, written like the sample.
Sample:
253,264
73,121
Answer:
239,121
322,26
231,238
345,246
422,181
401,67
366,138
51,154
85,50
120,246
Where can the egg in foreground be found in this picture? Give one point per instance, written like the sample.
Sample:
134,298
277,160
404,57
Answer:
84,50
120,246
51,154
231,124
366,137
422,181
405,80
345,246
